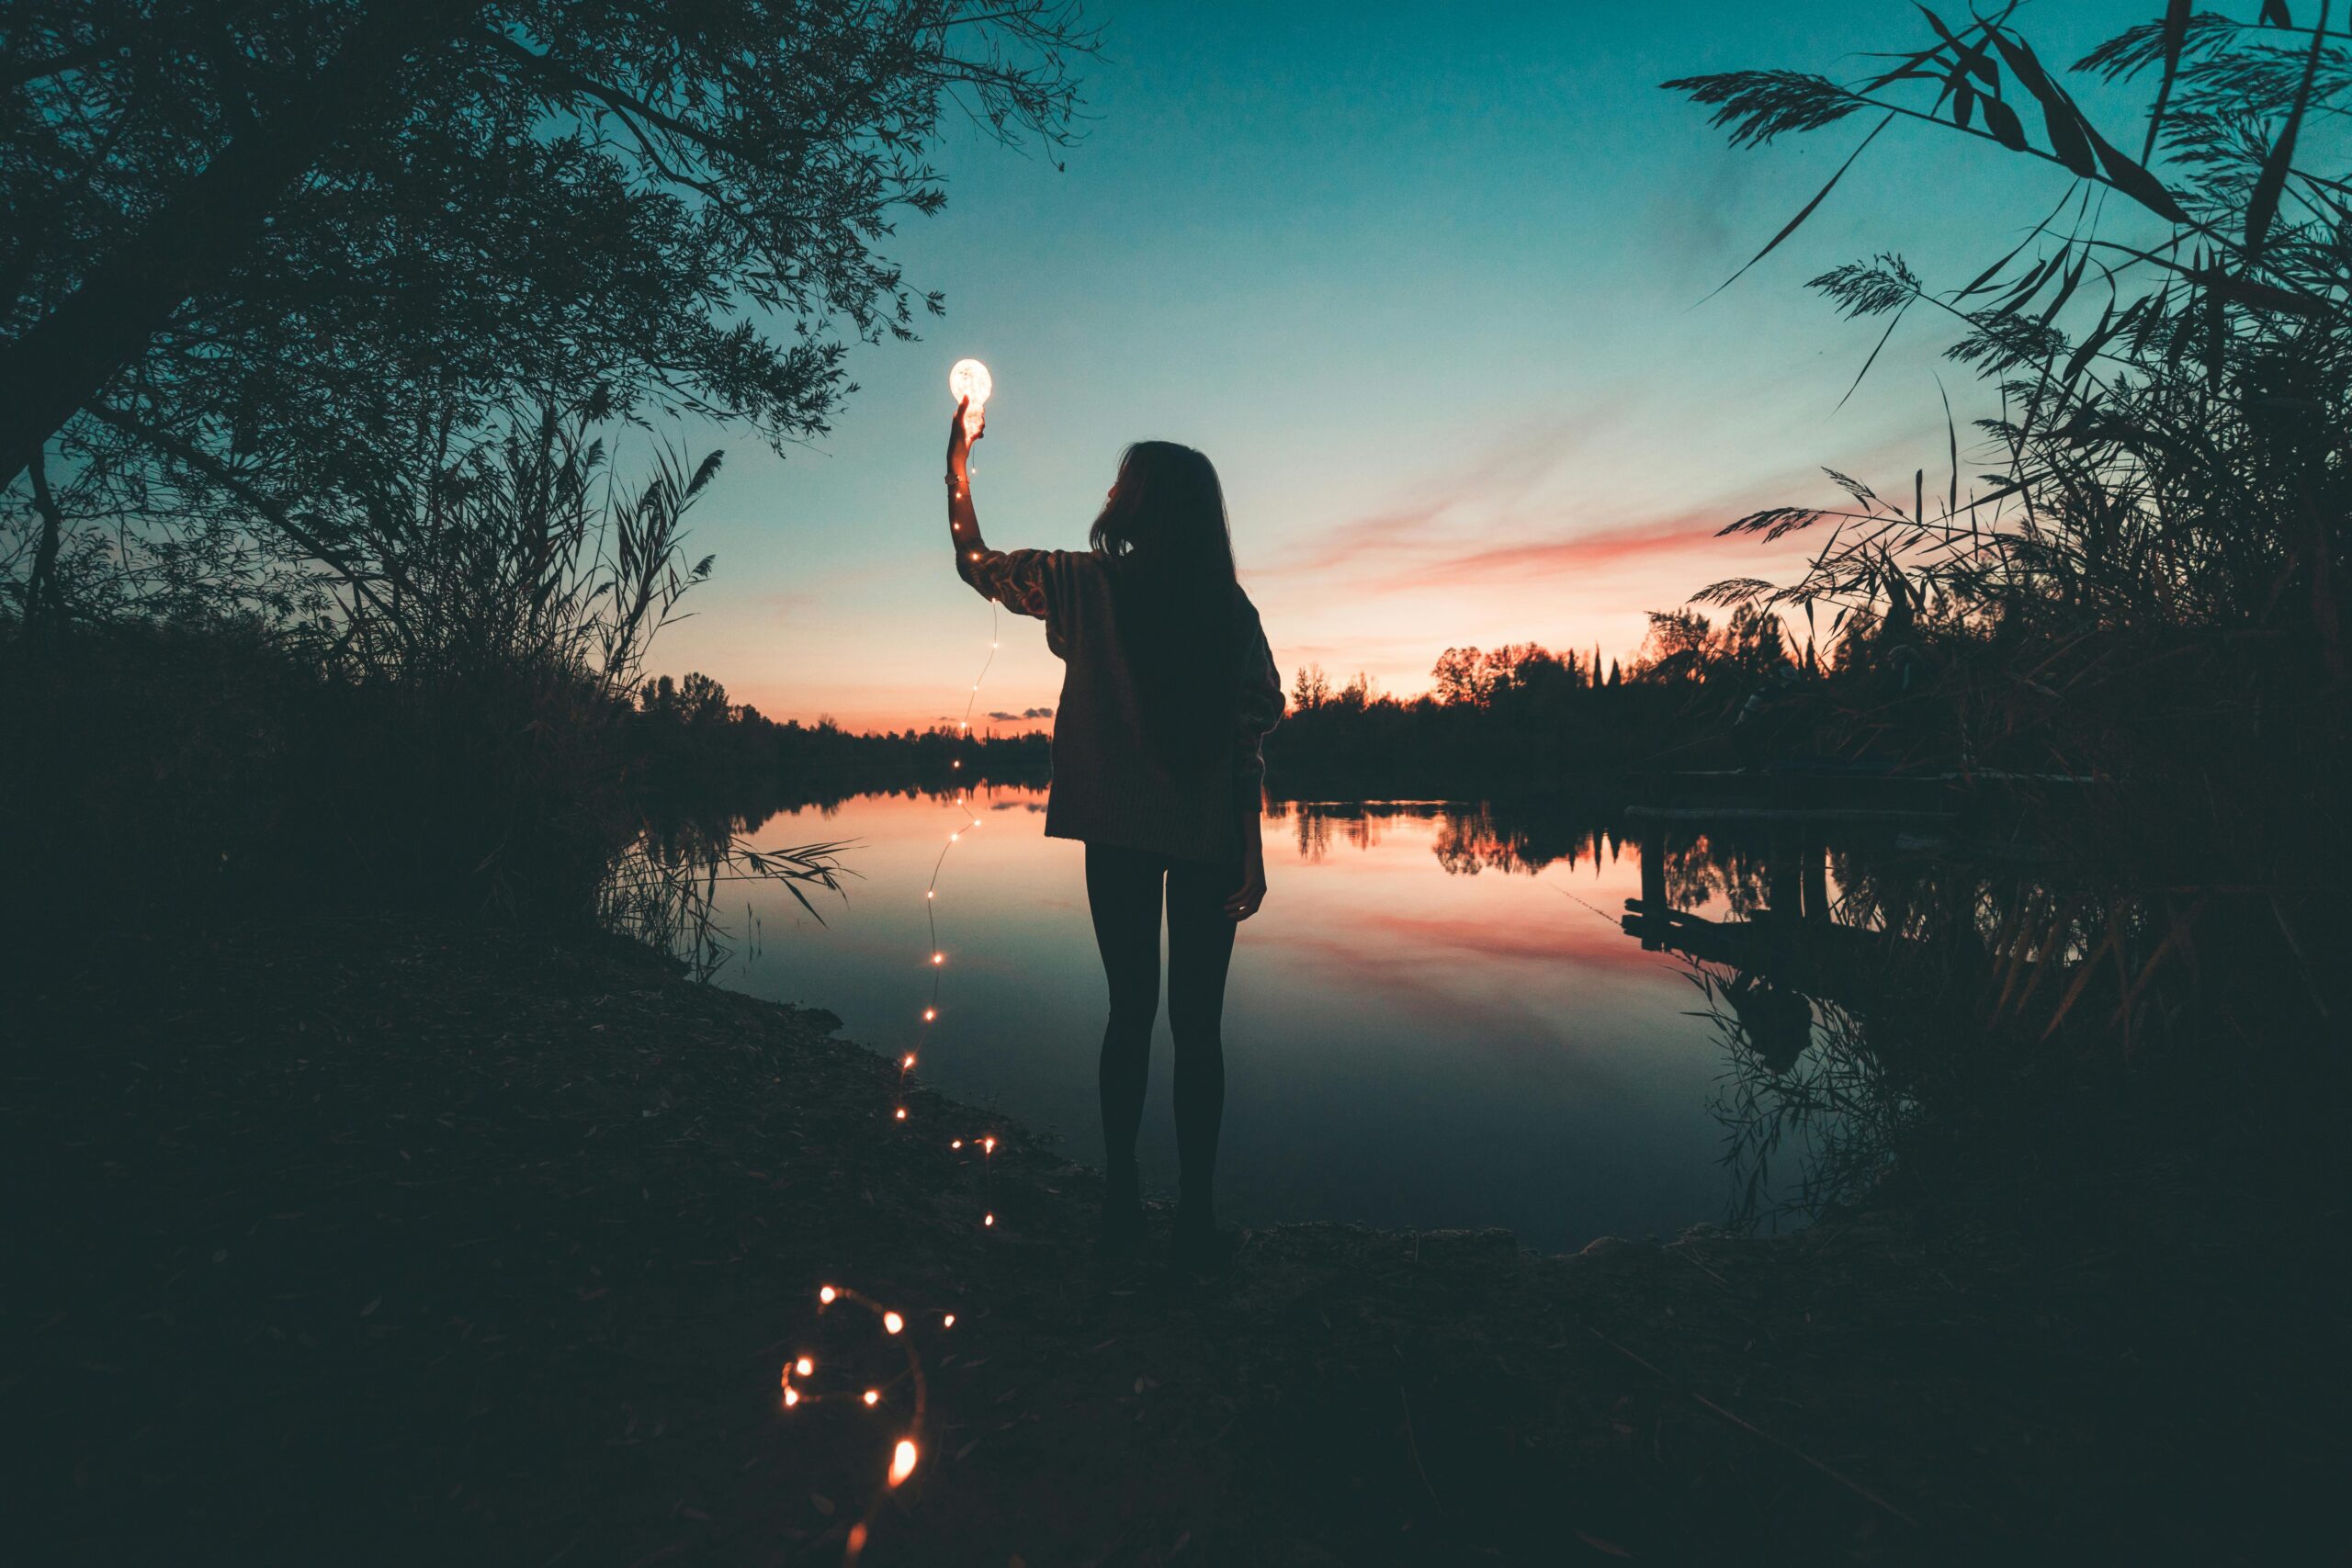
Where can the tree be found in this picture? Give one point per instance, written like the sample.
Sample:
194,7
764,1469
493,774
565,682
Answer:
1680,645
1460,678
1311,689
264,251
1753,642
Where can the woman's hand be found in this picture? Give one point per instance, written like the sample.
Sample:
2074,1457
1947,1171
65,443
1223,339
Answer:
959,446
1246,899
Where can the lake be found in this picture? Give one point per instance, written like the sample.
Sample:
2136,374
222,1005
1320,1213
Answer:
1436,1020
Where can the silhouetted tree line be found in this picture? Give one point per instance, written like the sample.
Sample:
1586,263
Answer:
697,747
1694,695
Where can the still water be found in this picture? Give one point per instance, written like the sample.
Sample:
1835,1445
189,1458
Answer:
1433,1022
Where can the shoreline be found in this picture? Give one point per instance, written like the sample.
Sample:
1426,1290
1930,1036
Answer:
502,1244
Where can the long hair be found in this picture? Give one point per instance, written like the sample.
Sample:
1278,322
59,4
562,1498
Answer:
1173,589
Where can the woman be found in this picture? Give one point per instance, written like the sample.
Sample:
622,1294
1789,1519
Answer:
1168,685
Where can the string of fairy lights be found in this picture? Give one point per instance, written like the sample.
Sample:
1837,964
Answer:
970,382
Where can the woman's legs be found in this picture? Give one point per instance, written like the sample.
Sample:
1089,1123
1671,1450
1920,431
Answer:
1200,950
1122,894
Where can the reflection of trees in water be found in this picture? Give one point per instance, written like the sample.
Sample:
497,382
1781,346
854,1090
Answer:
666,886
1704,870
1513,837
1929,986
1805,1087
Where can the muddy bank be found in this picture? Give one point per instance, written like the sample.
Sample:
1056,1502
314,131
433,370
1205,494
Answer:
395,1241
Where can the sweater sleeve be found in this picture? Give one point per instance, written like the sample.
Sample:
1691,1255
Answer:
1257,709
1015,578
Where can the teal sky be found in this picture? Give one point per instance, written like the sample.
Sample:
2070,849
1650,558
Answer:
1426,282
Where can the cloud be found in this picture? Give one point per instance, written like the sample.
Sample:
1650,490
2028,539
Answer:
1522,512
1002,718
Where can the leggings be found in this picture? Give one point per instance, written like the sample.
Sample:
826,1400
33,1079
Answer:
1123,890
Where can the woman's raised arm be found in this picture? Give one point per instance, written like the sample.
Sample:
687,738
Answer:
962,521
1016,581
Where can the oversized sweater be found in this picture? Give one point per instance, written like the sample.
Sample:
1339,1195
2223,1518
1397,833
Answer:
1109,785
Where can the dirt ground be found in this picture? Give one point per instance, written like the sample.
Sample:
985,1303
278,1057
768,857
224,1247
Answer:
390,1241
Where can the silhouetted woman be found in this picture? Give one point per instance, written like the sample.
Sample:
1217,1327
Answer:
1167,690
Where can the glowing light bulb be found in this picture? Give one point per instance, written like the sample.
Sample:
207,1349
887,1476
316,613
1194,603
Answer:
902,1113
939,958
873,1397
827,1295
952,765
929,1014
902,1460
933,893
988,1219
791,1395
947,1321
970,383
805,1366
907,1061
956,1144
892,1323
988,1145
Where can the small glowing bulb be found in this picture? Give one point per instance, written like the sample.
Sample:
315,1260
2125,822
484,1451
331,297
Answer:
873,1397
929,1014
947,1321
952,765
892,1323
931,894
907,1061
939,958
988,1219
902,1460
953,837
791,1395
827,1295
989,1144
901,1113
805,1366
956,1144
970,383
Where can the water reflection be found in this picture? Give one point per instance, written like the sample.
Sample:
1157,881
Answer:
1449,1014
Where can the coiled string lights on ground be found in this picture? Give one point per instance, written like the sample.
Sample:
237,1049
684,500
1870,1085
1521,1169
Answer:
968,381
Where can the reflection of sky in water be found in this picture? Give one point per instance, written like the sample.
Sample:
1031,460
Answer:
1404,1046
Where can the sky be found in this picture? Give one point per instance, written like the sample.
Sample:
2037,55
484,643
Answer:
1431,285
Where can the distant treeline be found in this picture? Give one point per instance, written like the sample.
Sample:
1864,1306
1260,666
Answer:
699,747
1696,695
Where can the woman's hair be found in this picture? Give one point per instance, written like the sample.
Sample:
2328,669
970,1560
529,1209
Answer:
1173,589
